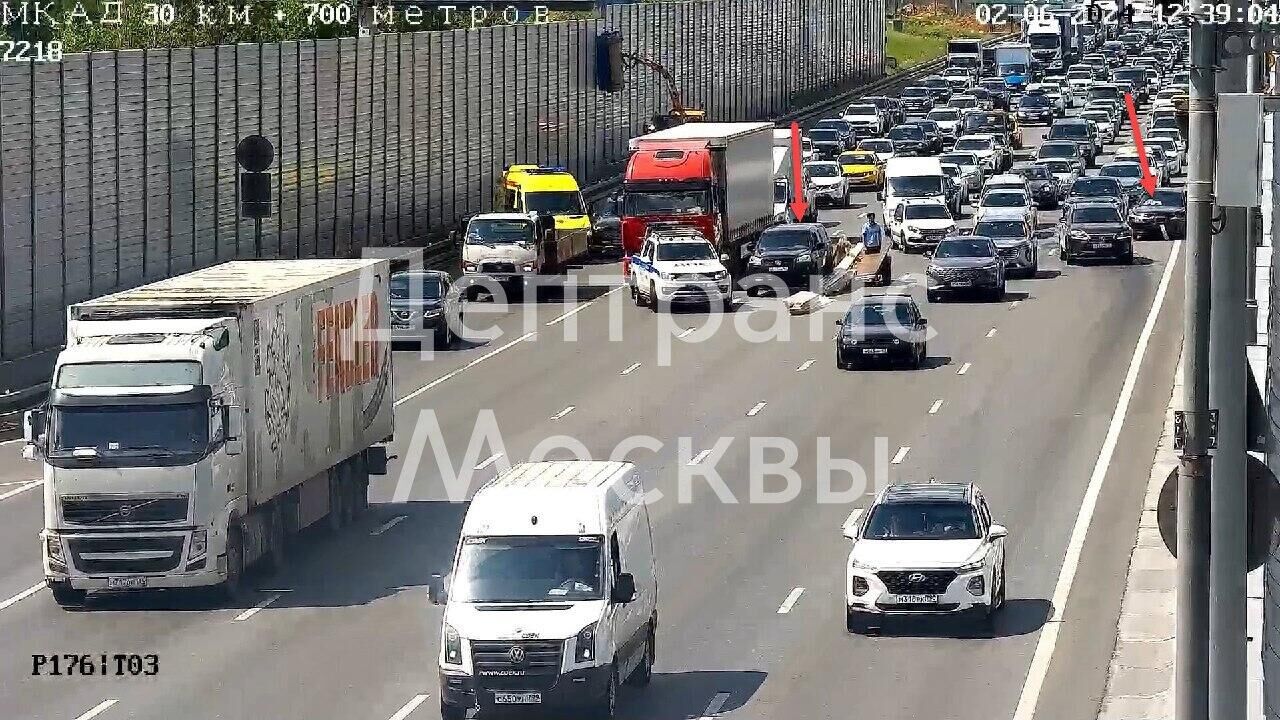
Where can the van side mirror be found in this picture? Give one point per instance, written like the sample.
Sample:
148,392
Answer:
233,422
880,195
437,590
624,589
455,237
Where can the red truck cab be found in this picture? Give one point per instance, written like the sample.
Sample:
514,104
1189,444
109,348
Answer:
669,183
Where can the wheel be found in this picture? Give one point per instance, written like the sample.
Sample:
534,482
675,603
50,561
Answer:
1035,264
998,294
848,199
933,297
607,706
67,596
841,363
653,297
1127,257
917,359
727,305
441,338
1067,259
635,296
643,673
886,272
452,712
230,587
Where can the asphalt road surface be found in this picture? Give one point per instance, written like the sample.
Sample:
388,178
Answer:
1018,396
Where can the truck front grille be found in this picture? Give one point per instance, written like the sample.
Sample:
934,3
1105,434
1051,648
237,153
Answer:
917,582
126,554
497,267
88,510
497,667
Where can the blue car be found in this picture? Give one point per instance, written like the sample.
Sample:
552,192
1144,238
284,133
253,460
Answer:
1016,76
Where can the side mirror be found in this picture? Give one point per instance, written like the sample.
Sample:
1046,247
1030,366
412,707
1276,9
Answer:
624,589
923,322
840,321
233,422
375,460
724,257
850,528
437,591
928,253
455,237
33,424
997,531
880,195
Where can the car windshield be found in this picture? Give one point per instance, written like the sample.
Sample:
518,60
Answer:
1061,150
964,248
1130,73
1013,69
877,145
824,135
922,521
916,185
1001,228
1037,172
1121,170
973,144
669,202
860,110
858,159
961,159
823,170
1095,186
926,211
944,115
915,92
529,569
893,314
1098,116
1096,214
499,232
91,430
1172,198
1069,131
784,240
685,251
404,285
1103,92
1164,121
1004,198
1034,101
555,202
962,103
1059,167
906,132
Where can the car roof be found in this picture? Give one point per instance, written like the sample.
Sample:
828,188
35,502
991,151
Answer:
1092,204
421,273
927,492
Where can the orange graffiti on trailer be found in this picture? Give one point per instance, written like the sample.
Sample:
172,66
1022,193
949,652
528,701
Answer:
348,350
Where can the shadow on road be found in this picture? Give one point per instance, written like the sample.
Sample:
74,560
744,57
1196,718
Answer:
682,695
1020,616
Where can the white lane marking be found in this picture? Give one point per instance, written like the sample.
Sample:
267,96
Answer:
805,366
98,709
685,333
22,595
257,608
389,524
1014,304
24,488
964,368
790,602
409,707
991,333
716,705
464,368
700,457
583,306
1071,561
937,405
901,455
11,442
755,409
908,277
630,369
489,461
563,412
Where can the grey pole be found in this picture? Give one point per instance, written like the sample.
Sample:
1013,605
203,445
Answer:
1191,643
1228,393
1257,68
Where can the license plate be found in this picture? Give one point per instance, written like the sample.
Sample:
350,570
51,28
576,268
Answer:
517,698
779,265
1099,245
126,583
915,599
399,326
875,351
961,283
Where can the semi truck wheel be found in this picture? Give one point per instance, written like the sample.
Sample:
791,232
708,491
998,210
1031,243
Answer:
67,596
230,587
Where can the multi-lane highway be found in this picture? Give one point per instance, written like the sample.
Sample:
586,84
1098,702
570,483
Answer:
1019,396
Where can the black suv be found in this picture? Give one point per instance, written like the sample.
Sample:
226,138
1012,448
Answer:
909,140
1041,183
794,253
917,99
882,327
1096,189
1096,230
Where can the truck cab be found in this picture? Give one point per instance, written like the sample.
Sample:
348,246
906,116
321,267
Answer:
501,247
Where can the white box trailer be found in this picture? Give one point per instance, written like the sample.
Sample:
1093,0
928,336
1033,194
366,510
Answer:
194,423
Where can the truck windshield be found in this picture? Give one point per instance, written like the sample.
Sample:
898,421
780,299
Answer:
1013,69
962,61
916,185
671,202
129,374
529,569
554,202
129,429
499,232
922,521
685,251
1044,41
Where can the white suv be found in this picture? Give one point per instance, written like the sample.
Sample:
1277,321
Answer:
677,264
924,549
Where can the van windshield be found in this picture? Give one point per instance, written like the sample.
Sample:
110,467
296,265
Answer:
916,185
529,569
554,202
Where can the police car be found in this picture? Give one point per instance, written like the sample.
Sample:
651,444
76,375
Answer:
676,264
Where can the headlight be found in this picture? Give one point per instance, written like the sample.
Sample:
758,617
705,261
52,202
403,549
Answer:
753,260
720,275
199,543
586,650
528,267
911,229
53,548
859,586
468,265
432,313
452,646
804,258
974,566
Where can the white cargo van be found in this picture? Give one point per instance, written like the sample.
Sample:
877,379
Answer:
912,177
552,602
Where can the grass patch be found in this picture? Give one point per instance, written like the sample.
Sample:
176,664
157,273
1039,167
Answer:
909,49
924,36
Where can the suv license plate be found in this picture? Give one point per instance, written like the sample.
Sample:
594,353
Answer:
126,583
916,599
875,351
517,698
1099,245
961,283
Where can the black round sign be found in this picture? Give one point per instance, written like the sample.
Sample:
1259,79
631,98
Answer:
255,153
1263,521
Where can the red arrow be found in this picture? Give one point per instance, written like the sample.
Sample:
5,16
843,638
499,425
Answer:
799,207
1148,180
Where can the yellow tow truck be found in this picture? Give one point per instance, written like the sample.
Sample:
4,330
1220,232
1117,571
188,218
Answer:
542,190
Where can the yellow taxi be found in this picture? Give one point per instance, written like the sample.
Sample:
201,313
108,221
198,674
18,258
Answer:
862,169
552,191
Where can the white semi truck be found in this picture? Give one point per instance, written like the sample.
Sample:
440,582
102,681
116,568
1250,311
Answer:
195,423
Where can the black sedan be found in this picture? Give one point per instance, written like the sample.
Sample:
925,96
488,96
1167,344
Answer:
886,328
917,100
1041,182
1167,209
1096,230
1035,110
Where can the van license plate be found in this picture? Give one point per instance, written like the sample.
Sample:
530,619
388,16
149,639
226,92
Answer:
915,599
126,583
517,698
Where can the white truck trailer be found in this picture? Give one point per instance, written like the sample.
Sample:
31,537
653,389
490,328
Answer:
195,423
